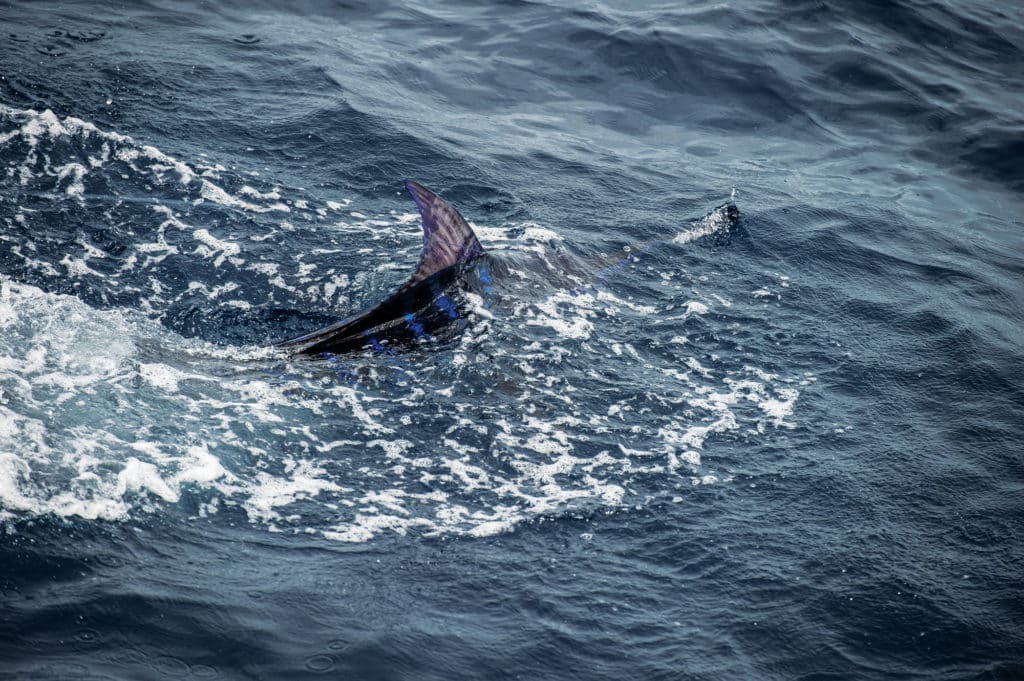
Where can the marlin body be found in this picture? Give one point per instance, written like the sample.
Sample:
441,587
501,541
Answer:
452,261
422,306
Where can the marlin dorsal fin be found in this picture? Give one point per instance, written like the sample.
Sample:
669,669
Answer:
447,237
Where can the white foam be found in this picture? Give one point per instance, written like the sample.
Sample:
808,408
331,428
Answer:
76,171
274,194
715,222
535,232
695,308
555,311
778,409
39,129
105,414
271,492
162,376
617,304
212,247
139,476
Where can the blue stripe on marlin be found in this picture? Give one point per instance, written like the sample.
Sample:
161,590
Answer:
422,305
446,305
484,274
416,327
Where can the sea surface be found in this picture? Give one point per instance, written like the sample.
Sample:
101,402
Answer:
665,446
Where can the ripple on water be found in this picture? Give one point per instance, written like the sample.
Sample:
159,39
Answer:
170,665
320,664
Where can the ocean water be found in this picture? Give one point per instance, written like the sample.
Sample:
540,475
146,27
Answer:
666,446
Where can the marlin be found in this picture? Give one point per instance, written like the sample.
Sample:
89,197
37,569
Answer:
422,306
452,260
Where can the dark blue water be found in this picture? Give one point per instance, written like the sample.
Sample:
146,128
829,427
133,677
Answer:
786,448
